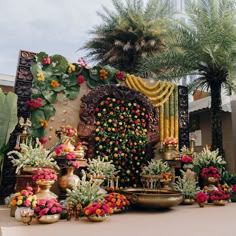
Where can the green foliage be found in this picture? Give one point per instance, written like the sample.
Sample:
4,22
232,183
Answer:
65,75
204,48
131,32
29,155
100,167
227,178
208,158
8,116
187,185
156,167
85,192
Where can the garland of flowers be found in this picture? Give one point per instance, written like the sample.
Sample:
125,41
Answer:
164,96
121,136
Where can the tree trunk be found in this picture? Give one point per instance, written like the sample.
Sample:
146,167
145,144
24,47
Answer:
216,120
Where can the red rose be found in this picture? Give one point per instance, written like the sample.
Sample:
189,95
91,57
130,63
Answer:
80,79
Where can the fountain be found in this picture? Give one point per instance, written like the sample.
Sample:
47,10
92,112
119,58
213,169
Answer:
155,191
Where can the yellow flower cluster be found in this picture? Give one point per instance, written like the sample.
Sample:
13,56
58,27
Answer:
40,76
71,68
54,83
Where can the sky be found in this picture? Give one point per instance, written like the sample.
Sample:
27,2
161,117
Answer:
53,26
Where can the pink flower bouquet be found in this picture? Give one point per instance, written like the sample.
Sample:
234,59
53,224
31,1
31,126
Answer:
45,174
47,207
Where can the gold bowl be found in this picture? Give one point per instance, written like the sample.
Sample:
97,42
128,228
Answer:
153,198
97,218
48,219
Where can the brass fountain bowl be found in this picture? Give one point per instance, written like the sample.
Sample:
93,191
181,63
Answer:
153,198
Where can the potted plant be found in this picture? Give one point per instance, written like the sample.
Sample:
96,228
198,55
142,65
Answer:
219,197
187,185
99,168
85,192
97,211
48,210
170,145
32,156
201,198
208,158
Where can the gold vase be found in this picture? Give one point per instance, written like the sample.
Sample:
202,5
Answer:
170,152
48,219
211,183
69,179
45,186
97,218
188,201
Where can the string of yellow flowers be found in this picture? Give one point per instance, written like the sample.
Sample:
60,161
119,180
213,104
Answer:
164,96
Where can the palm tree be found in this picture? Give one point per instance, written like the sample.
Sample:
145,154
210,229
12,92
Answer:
205,48
127,34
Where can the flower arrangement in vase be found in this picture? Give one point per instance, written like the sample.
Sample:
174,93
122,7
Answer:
187,162
45,178
170,146
48,210
97,211
44,174
210,171
24,201
118,202
170,141
219,197
24,198
201,198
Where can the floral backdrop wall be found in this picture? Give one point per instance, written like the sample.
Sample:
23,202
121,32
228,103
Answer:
121,136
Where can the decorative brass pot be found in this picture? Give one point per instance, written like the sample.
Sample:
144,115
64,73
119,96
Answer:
153,198
219,202
45,186
188,201
201,204
69,179
170,152
48,219
97,218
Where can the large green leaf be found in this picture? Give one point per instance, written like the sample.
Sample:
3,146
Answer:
72,92
69,80
8,116
35,69
41,132
94,73
49,111
40,56
50,96
92,84
58,65
36,115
